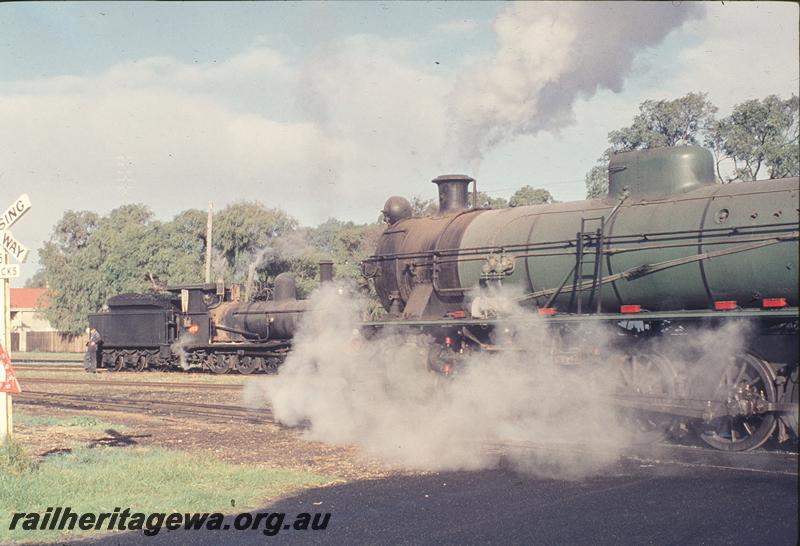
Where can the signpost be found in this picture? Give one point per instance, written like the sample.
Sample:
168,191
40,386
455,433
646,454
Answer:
11,248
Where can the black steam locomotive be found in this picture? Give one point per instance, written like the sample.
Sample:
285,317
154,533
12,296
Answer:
201,325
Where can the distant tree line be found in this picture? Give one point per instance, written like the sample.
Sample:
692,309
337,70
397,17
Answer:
759,139
90,257
526,195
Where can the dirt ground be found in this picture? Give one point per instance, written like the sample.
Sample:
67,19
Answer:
235,441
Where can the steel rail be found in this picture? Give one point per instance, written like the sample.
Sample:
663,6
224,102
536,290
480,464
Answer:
89,382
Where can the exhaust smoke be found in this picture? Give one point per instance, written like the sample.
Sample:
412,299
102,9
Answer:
549,55
380,395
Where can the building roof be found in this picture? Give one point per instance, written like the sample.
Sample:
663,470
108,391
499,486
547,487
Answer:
26,298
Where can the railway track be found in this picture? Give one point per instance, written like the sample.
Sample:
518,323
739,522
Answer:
149,384
221,412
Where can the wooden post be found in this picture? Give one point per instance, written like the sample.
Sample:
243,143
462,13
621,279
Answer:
6,413
209,231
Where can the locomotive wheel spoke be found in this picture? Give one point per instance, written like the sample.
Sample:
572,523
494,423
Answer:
248,365
642,373
740,375
742,432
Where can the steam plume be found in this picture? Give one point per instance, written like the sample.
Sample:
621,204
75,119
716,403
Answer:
379,395
549,54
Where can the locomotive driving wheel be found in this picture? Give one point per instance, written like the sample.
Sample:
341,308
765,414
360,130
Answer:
746,380
248,364
217,364
647,374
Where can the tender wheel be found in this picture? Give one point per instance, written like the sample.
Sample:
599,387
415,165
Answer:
141,363
271,364
750,377
647,374
248,365
119,362
217,364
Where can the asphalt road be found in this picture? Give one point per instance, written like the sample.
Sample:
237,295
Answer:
634,503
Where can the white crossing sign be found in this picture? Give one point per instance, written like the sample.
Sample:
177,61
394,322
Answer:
8,383
13,213
9,271
13,247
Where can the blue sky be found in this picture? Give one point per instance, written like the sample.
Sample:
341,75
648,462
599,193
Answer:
326,109
83,38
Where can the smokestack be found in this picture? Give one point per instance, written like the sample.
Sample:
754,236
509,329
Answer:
453,192
325,271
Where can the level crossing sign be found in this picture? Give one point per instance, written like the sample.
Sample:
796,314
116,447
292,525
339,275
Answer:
10,248
14,212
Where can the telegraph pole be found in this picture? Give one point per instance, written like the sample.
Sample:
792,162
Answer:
209,231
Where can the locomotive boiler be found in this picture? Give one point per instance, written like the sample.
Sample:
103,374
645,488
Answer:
668,251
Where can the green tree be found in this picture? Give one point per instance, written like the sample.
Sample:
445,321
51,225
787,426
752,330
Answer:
758,137
759,134
37,280
423,207
89,258
487,201
596,181
346,243
177,249
244,230
528,195
679,122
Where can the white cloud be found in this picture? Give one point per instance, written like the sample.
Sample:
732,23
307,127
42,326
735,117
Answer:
744,51
364,121
462,26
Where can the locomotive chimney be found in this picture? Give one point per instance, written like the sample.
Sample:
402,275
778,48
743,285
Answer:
325,271
453,192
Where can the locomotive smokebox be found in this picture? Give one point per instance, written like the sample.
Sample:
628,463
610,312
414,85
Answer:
453,192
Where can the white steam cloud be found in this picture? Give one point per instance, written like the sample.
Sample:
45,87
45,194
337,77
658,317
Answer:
379,394
548,411
550,54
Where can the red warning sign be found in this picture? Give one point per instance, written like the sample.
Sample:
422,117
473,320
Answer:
10,384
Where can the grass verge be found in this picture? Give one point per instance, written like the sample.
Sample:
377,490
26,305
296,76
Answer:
144,480
80,421
44,357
